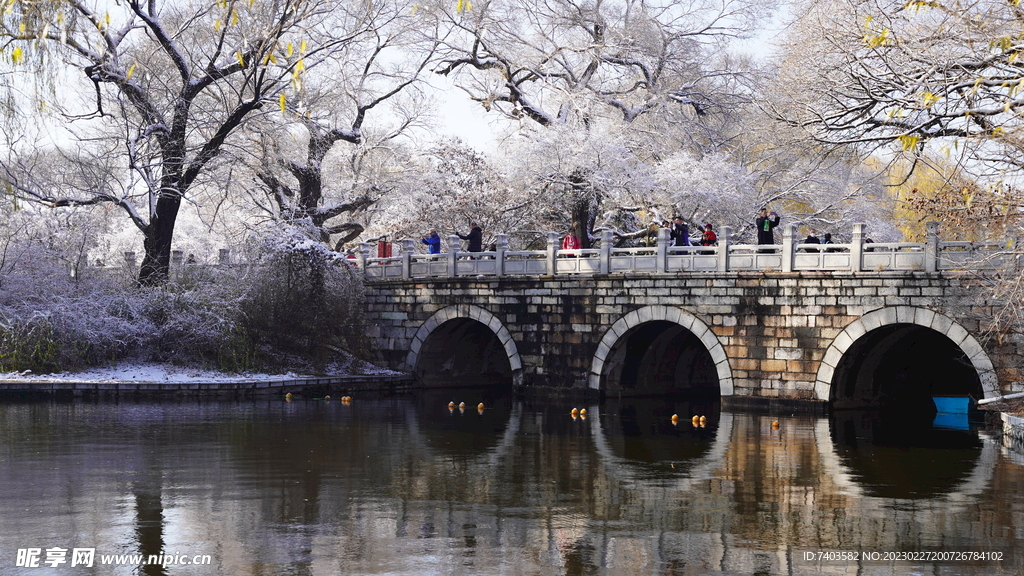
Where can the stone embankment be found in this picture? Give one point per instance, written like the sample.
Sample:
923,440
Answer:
301,386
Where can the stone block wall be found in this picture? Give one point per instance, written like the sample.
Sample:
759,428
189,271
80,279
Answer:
775,328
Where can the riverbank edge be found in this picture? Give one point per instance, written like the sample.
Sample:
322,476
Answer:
311,386
1013,431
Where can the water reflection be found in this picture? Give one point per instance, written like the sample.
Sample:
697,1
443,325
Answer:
405,486
899,456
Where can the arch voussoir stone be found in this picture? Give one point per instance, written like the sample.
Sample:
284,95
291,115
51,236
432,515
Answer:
470,312
670,314
905,315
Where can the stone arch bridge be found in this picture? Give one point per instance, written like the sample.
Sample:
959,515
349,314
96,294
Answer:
783,324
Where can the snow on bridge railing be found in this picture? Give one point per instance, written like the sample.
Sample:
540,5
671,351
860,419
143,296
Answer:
791,256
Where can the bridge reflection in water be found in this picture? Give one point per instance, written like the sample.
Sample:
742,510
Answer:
405,485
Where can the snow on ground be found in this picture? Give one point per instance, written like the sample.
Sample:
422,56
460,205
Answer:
145,372
154,372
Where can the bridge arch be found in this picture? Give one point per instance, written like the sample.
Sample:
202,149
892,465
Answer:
471,313
908,315
688,321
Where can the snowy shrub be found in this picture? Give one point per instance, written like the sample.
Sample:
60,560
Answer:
303,299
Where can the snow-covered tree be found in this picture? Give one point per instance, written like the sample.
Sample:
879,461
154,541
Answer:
161,86
657,68
368,97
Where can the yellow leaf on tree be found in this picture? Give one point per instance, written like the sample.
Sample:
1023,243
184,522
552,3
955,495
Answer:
17,55
908,141
291,49
217,24
131,70
281,101
928,99
241,59
234,17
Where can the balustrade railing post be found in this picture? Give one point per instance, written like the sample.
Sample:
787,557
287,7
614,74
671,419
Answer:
664,238
453,255
723,248
788,247
857,248
407,250
500,247
606,251
362,255
931,247
552,253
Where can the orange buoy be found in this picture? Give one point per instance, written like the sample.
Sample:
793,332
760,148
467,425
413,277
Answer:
451,405
583,412
480,406
675,418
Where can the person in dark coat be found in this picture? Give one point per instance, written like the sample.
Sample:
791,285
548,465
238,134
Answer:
812,238
433,242
475,237
680,232
766,223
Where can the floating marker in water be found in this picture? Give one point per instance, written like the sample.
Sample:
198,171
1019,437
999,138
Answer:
675,418
583,412
451,405
575,412
480,406
462,405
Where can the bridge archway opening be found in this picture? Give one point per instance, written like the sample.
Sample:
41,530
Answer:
900,367
461,353
659,358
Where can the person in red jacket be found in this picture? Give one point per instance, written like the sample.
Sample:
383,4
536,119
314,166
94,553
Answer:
571,241
708,236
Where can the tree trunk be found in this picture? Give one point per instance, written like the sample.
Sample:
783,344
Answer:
157,237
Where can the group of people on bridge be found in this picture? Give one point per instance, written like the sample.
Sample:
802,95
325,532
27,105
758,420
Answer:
765,224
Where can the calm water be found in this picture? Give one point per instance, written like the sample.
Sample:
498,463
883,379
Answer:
404,486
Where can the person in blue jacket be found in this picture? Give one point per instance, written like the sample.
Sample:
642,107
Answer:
433,242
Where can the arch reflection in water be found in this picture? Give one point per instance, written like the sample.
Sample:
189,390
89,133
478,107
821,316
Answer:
470,434
639,446
883,457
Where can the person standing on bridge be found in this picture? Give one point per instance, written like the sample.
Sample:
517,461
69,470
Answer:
708,236
433,242
571,240
680,232
475,237
766,223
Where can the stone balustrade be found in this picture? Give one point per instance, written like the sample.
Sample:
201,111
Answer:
664,258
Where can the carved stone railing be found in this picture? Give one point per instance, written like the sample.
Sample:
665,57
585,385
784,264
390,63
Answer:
663,258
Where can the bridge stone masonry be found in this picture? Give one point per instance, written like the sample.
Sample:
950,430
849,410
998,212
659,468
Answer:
853,338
